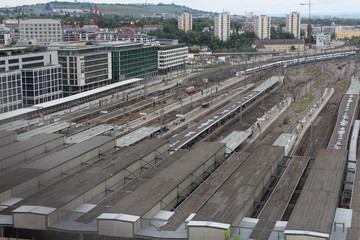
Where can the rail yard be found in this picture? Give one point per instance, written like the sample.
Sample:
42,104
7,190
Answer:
252,152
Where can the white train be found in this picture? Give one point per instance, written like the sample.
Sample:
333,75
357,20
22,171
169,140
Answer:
287,63
351,166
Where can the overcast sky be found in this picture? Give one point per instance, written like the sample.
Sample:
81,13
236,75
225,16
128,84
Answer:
237,6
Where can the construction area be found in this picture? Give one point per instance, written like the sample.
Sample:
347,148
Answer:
260,156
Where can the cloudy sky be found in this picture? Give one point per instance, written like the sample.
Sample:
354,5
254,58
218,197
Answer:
237,6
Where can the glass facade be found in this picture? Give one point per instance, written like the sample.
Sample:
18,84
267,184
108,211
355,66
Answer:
10,91
42,85
84,69
134,62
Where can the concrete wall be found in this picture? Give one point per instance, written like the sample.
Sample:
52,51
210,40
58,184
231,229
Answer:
208,233
30,221
5,163
303,237
32,185
117,228
8,139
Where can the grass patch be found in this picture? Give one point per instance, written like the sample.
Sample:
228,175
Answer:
304,104
286,120
342,85
312,69
292,73
321,80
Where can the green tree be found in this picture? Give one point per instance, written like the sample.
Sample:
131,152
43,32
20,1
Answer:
227,234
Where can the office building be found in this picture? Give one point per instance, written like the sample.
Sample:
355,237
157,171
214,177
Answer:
131,60
41,84
185,22
262,27
172,57
31,77
222,26
43,30
323,39
293,22
84,68
10,91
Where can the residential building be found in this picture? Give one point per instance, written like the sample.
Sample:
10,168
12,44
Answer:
185,22
41,85
28,76
131,60
347,34
278,45
323,39
148,28
10,91
84,68
5,37
222,26
262,27
293,22
43,30
172,57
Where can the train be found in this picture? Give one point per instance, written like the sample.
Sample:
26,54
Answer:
351,167
292,62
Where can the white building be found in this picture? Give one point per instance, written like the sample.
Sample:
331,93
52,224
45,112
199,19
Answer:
323,39
43,30
28,78
293,22
185,22
222,26
172,57
262,27
42,84
10,91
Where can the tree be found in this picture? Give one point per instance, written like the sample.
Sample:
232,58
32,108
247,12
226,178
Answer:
227,234
292,48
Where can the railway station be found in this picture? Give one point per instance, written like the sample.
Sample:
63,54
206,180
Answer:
249,166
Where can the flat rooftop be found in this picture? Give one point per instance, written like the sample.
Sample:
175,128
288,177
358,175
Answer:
4,133
316,206
89,133
17,176
18,124
230,199
71,187
138,197
20,147
141,200
135,136
51,128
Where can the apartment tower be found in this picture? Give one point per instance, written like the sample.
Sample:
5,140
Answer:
262,27
222,26
293,21
185,22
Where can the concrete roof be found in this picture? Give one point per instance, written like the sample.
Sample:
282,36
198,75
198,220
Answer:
135,136
18,124
89,133
316,206
19,147
51,128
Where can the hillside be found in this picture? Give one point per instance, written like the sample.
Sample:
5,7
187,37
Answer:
121,9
